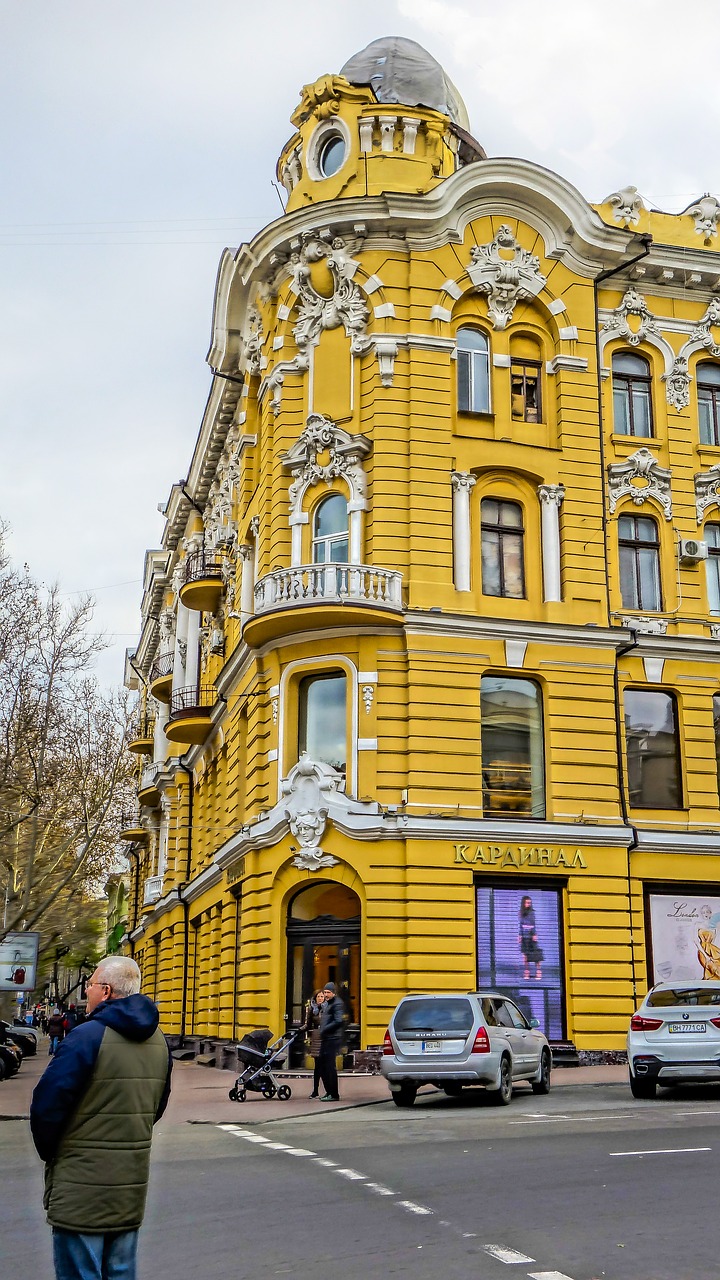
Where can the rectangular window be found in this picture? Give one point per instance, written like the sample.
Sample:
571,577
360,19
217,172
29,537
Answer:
685,937
501,531
716,728
709,414
473,371
513,766
653,749
525,391
711,533
519,940
322,719
639,551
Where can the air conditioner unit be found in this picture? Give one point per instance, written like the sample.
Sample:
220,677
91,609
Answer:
691,550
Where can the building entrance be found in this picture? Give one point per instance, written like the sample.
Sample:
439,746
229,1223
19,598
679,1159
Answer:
323,936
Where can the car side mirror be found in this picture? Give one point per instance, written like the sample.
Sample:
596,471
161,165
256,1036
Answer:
534,1022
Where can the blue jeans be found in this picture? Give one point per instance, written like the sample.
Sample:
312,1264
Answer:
94,1257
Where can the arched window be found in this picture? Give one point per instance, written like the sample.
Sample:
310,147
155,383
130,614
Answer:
502,535
653,749
513,767
473,366
322,718
639,548
708,394
712,566
632,395
330,531
525,380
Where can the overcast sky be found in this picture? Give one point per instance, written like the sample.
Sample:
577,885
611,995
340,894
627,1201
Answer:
139,137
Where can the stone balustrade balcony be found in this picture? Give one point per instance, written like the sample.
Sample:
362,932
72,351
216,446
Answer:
152,890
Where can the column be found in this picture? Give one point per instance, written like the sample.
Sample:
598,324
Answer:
247,584
161,744
179,657
193,645
463,484
551,497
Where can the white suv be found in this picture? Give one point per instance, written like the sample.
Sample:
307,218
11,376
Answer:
674,1037
452,1041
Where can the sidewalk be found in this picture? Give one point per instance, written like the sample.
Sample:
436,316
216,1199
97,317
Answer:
200,1094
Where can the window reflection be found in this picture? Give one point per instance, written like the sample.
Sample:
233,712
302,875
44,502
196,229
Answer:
639,548
503,570
322,721
330,531
632,395
473,370
653,749
513,768
712,567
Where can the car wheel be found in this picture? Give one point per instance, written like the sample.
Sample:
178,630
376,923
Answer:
503,1094
405,1096
642,1088
542,1084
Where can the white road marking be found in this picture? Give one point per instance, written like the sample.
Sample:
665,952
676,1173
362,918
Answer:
661,1151
379,1189
252,1137
326,1164
548,1275
352,1175
412,1207
277,1146
299,1151
505,1254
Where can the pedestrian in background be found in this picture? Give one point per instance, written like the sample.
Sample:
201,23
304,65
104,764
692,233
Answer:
313,1010
332,1024
91,1118
55,1030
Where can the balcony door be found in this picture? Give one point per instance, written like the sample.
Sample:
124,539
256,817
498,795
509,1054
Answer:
323,937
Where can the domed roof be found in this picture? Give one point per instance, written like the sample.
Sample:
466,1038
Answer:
401,71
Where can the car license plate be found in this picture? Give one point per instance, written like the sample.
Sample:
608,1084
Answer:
676,1027
431,1046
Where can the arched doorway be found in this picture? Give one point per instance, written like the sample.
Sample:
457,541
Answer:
323,937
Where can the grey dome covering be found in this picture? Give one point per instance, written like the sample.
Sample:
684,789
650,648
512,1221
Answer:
401,71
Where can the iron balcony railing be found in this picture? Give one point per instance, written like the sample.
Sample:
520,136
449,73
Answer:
201,564
162,666
130,820
142,727
328,583
193,700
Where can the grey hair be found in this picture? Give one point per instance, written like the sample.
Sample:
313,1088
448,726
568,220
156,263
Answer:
121,974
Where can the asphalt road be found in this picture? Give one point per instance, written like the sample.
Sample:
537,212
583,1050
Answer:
585,1183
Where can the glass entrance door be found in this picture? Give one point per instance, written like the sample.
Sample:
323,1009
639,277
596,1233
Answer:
324,946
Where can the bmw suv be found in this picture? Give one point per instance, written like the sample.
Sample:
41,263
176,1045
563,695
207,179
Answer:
454,1041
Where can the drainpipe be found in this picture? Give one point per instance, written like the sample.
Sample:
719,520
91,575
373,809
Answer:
185,903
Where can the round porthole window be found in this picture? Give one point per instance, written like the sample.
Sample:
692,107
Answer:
332,155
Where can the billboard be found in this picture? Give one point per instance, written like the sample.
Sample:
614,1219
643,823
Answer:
519,937
18,961
685,936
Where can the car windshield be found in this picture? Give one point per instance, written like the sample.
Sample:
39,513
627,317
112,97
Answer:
442,1013
667,996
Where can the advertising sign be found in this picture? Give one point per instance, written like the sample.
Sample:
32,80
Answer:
18,961
685,937
519,951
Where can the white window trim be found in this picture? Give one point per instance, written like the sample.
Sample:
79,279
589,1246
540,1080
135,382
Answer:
320,665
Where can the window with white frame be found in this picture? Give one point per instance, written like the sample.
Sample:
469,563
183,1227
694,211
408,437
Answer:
330,531
322,718
473,371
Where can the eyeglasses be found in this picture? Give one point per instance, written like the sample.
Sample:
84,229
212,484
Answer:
98,984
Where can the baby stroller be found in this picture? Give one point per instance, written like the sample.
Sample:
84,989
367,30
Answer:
259,1057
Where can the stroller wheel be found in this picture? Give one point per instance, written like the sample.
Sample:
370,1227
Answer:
268,1090
233,1094
284,1092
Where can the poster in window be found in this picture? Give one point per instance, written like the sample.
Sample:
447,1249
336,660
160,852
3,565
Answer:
18,961
685,937
520,951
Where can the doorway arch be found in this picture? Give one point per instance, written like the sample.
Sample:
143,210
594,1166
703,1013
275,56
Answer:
323,945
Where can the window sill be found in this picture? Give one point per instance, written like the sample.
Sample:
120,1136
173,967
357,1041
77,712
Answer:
636,440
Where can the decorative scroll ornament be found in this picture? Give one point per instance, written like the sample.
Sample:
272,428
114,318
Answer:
505,280
627,203
705,211
306,788
344,306
702,333
640,477
345,454
551,495
368,693
649,626
252,348
707,491
167,629
677,384
618,325
463,482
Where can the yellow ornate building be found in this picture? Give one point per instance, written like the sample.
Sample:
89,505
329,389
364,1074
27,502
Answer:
428,672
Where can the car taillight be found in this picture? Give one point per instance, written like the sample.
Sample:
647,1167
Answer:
715,1022
387,1045
482,1042
640,1023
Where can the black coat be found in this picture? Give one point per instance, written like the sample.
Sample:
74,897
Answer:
332,1022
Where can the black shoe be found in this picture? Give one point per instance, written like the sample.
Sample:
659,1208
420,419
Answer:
314,1094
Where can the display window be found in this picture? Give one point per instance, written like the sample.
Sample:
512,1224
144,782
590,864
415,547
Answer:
684,936
519,940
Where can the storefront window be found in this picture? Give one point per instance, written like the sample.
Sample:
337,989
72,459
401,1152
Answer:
322,720
653,750
519,941
684,937
513,767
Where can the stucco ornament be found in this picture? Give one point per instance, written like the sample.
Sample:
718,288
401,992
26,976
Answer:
677,384
702,333
344,306
306,810
648,626
707,491
640,477
167,628
321,99
705,211
505,280
627,203
253,342
344,452
618,323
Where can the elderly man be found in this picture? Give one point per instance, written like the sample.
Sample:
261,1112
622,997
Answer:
91,1118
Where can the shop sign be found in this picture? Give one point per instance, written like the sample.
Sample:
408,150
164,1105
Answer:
235,871
500,856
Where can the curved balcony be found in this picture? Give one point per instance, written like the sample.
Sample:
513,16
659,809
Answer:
152,890
161,676
191,714
131,827
142,735
202,584
148,789
365,594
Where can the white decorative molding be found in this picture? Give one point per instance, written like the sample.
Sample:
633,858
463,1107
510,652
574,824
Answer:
306,791
551,499
515,652
367,744
705,211
345,306
701,335
707,490
275,706
645,625
677,384
368,693
653,668
463,484
627,203
715,630
556,306
576,364
253,343
618,326
346,453
640,477
505,281
386,349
